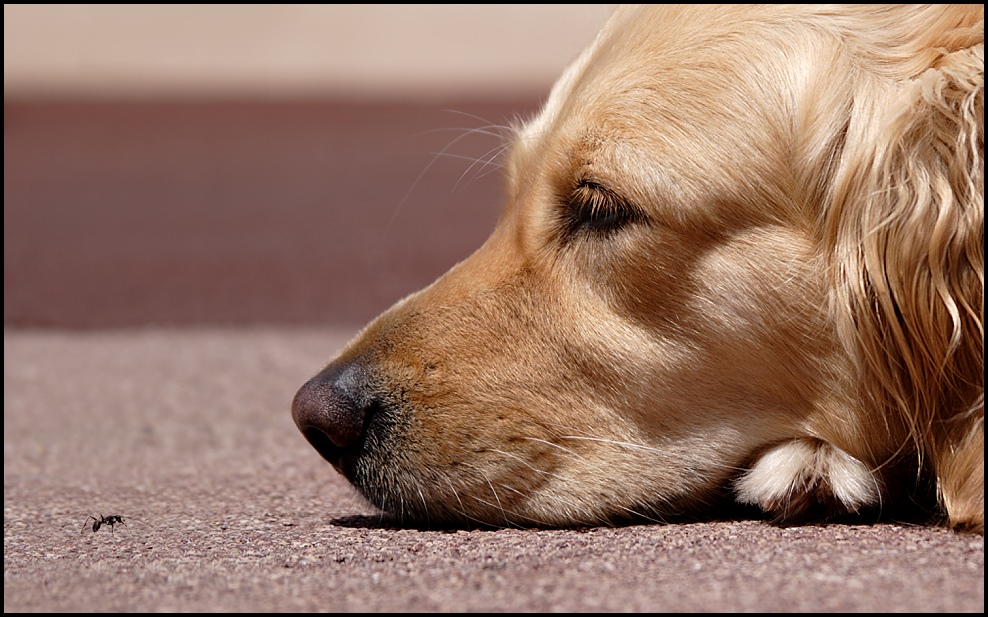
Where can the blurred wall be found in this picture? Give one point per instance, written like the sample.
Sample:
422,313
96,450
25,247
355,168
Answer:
290,51
258,165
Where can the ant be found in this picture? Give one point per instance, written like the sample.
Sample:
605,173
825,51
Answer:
111,520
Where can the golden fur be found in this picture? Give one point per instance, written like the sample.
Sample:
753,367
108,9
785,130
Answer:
742,251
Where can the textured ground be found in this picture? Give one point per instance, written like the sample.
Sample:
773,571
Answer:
187,434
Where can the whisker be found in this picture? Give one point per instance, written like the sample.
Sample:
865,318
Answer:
498,499
526,463
455,494
505,128
542,472
492,167
486,162
481,130
613,442
499,505
642,447
490,129
507,523
425,504
575,506
462,133
474,161
462,511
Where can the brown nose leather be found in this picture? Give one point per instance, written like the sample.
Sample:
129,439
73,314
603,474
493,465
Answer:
331,409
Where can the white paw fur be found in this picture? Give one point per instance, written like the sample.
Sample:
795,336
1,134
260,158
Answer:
793,476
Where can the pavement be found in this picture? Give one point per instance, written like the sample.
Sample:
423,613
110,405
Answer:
173,273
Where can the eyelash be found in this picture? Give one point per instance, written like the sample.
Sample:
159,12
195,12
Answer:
594,209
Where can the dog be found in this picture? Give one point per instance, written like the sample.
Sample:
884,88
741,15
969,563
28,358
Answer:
741,258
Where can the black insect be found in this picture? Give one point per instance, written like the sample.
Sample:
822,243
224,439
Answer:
110,521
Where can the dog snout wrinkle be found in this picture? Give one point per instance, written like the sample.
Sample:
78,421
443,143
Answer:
332,409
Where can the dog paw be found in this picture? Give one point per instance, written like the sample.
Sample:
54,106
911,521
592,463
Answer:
797,477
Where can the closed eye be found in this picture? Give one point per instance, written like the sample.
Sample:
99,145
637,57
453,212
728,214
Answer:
595,210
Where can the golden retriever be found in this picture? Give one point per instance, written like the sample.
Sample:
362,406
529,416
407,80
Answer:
742,253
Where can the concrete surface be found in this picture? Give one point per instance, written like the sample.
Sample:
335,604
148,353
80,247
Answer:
187,434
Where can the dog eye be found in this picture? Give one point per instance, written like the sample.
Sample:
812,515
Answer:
595,209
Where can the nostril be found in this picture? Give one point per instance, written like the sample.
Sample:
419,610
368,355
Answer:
322,443
331,409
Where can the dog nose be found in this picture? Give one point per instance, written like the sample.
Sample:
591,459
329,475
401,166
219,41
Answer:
332,409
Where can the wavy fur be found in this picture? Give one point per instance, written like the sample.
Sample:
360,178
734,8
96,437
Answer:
906,232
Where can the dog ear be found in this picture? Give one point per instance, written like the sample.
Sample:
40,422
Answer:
906,227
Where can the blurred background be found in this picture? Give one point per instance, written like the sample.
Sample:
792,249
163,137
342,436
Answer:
253,165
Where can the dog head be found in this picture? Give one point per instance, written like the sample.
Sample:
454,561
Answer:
741,247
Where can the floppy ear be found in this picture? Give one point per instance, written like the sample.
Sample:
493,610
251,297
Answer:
906,228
